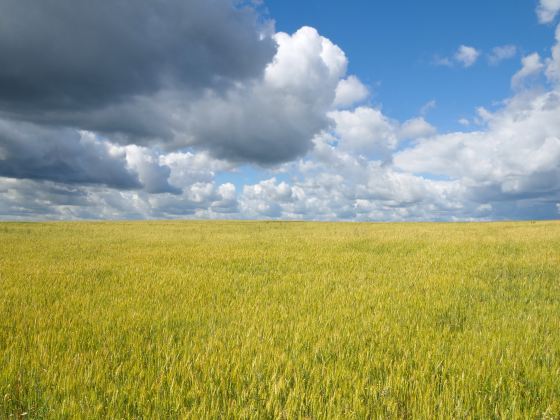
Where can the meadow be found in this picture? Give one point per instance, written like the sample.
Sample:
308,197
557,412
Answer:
279,320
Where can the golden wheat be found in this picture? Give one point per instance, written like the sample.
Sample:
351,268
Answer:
279,320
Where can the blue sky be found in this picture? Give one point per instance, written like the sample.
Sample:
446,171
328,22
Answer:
278,109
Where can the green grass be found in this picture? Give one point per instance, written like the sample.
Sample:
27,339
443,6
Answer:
279,320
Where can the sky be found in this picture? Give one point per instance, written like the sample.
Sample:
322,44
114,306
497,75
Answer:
280,109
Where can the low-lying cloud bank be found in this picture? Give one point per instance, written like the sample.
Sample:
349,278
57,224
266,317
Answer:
161,117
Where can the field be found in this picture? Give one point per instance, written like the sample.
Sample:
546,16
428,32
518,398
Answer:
279,320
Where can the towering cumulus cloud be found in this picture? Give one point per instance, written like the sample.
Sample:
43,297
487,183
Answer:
273,119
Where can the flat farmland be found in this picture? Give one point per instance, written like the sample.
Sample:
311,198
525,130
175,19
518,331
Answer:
279,320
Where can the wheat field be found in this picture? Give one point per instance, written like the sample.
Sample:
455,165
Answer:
279,320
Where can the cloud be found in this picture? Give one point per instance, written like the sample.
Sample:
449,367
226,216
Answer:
443,61
483,174
229,89
338,184
532,65
427,107
553,63
83,55
274,119
28,199
416,128
547,10
62,155
188,167
173,76
466,55
201,199
24,199
153,176
350,91
226,199
501,53
366,131
494,162
269,198
68,156
177,75
76,143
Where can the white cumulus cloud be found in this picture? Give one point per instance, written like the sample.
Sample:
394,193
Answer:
531,66
518,154
350,91
553,63
501,53
467,55
272,120
547,10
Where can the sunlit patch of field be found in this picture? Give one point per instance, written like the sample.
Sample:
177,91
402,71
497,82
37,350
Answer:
279,320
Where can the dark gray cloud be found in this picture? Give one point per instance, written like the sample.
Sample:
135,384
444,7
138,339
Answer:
266,127
82,54
176,74
62,155
124,70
